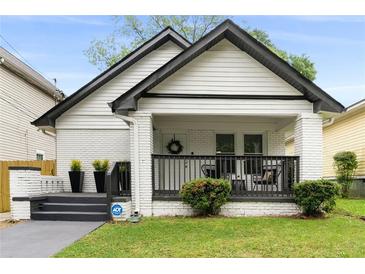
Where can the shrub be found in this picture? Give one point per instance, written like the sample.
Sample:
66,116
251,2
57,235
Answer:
206,194
345,163
101,165
316,196
75,165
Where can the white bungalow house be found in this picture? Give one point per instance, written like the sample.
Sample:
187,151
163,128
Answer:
220,107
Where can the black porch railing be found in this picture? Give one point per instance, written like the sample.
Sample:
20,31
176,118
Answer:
250,176
119,179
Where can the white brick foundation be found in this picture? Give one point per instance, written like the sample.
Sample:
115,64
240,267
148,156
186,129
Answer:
232,209
127,209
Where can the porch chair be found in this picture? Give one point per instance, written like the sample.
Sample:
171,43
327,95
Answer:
209,170
270,178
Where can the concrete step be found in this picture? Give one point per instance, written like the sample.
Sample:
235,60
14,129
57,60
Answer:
73,207
68,216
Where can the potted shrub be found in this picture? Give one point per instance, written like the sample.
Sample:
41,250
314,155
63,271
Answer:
76,176
101,167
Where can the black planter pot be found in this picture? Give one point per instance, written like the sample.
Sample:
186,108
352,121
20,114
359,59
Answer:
100,181
77,180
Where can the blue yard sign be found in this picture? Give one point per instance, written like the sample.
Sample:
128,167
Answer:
117,210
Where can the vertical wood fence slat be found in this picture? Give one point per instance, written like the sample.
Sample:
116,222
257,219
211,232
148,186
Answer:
48,167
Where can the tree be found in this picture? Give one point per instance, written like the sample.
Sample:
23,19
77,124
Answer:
131,31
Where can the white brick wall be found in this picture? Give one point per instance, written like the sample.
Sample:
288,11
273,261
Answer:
308,145
23,183
201,142
232,209
27,183
276,143
145,150
88,145
20,210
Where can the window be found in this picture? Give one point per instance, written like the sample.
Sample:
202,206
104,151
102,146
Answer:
253,144
40,155
225,144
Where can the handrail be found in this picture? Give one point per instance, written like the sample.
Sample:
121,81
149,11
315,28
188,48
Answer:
108,185
221,155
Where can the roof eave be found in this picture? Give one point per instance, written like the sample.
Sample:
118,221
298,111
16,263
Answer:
167,34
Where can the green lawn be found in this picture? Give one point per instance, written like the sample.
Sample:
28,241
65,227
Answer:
338,235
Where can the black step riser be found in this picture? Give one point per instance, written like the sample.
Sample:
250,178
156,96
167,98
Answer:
69,217
81,207
74,200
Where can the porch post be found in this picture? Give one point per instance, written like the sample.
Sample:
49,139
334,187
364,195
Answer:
145,149
308,145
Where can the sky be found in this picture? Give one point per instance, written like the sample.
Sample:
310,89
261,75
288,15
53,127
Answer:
54,46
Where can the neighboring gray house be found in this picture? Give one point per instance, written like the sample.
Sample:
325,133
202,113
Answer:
24,96
227,99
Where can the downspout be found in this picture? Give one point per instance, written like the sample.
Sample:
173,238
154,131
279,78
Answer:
136,156
329,123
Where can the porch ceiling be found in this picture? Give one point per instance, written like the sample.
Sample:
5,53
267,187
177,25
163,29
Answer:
221,122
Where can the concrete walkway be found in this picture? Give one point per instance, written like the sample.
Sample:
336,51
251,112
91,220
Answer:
40,239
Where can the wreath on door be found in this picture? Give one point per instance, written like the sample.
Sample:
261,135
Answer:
174,146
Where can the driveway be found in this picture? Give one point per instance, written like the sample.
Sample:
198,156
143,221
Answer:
40,239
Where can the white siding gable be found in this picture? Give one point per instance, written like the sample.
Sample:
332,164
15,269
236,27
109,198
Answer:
94,113
225,69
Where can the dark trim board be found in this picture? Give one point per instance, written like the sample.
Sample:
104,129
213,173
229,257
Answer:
240,38
20,199
167,34
223,96
24,168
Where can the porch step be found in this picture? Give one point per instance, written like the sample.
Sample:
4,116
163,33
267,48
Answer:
77,199
70,207
69,216
73,207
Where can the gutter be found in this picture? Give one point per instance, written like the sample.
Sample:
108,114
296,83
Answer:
136,156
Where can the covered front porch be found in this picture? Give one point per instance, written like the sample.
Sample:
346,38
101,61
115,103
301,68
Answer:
249,151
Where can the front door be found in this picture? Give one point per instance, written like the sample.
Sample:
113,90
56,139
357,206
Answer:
175,170
225,147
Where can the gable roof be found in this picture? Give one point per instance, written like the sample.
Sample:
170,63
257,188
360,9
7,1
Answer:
167,34
24,71
240,38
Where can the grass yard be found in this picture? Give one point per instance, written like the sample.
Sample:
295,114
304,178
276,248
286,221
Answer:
342,234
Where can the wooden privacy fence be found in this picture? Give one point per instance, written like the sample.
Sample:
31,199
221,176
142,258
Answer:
48,167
